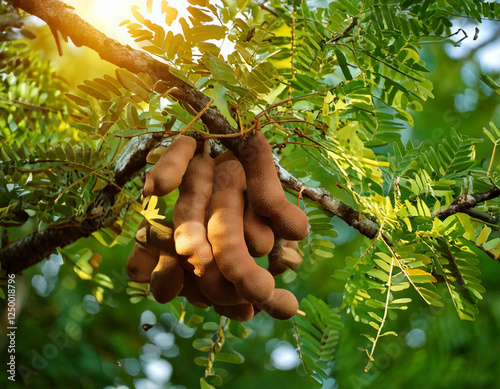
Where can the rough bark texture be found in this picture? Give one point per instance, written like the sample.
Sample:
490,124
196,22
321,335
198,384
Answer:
465,203
35,247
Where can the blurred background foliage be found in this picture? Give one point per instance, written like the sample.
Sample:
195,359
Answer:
65,338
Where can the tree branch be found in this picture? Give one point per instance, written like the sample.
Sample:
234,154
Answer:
35,247
322,197
466,202
60,16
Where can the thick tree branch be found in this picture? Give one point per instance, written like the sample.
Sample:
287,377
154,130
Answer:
466,202
322,197
61,17
35,247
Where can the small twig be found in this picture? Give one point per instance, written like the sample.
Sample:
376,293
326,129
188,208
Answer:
286,101
492,158
344,33
487,252
299,347
265,8
198,115
384,318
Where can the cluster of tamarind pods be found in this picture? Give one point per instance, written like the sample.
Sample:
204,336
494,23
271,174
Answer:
230,210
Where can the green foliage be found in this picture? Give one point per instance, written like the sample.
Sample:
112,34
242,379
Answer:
317,337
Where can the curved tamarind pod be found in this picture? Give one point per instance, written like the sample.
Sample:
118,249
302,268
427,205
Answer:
141,262
167,277
155,154
141,235
259,235
282,305
257,308
161,235
240,312
189,213
284,255
217,288
144,257
265,193
226,235
192,293
225,156
190,234
167,174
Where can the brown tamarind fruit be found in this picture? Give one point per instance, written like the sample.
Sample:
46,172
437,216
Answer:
141,262
189,217
265,193
240,312
284,255
192,293
161,235
259,235
155,154
141,235
281,305
167,277
226,235
166,174
226,156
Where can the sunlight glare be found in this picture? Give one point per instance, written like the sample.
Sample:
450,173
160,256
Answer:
106,15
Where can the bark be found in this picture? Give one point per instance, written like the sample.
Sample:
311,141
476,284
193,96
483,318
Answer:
466,203
35,247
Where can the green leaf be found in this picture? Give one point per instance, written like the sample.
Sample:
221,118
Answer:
343,64
205,385
229,358
131,83
206,32
490,83
203,344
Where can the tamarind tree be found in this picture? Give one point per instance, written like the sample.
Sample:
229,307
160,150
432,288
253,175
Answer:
399,229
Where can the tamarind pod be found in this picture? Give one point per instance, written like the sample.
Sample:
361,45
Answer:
155,154
192,293
240,312
166,174
226,235
259,236
167,277
275,258
217,288
226,156
265,193
284,255
162,236
281,305
190,210
141,235
141,262
292,256
190,234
